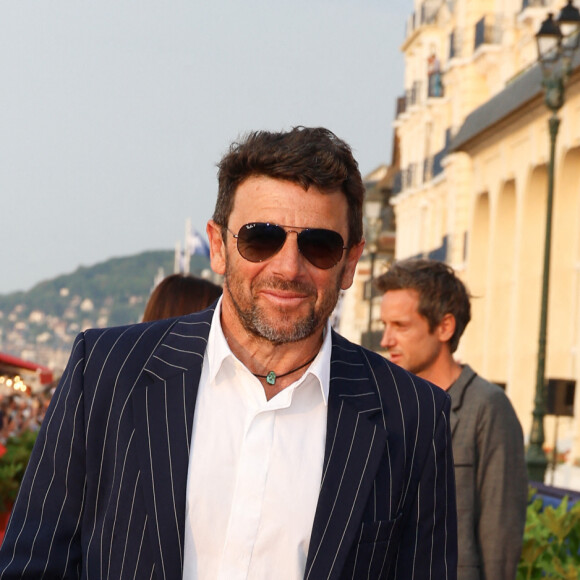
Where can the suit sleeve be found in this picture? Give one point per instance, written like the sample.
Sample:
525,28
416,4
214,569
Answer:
43,536
428,547
502,488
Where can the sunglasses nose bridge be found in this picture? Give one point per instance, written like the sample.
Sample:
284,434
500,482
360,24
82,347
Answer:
291,232
298,244
287,237
287,260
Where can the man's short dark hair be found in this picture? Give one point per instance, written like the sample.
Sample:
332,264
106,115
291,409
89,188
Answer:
440,292
306,156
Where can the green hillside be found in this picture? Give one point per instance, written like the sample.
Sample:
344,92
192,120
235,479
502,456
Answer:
110,293
117,277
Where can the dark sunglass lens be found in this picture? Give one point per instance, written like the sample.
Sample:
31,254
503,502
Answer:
322,248
258,241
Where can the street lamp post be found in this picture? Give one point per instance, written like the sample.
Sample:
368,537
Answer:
557,41
372,208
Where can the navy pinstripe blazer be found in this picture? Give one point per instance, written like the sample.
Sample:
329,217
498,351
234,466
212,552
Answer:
105,490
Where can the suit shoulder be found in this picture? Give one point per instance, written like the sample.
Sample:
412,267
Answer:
487,393
488,403
109,347
403,377
140,340
126,333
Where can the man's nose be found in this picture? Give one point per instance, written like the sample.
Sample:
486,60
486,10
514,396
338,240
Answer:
388,339
288,261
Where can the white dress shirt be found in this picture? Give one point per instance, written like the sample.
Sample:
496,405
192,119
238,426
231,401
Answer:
255,468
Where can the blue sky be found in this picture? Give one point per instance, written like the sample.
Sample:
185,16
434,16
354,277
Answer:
113,114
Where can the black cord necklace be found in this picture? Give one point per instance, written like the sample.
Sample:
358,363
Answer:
272,376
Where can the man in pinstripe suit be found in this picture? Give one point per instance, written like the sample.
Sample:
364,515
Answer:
248,440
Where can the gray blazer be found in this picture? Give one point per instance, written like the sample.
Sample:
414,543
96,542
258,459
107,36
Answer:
491,479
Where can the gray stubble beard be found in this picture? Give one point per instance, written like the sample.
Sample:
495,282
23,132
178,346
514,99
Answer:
256,323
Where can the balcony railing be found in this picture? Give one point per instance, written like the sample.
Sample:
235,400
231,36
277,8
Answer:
487,31
426,169
535,3
437,167
452,47
433,166
427,14
413,95
409,175
398,182
455,44
401,105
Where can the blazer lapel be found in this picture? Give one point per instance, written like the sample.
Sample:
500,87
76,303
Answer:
355,442
457,392
453,420
164,403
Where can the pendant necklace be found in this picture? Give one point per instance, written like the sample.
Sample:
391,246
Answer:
272,376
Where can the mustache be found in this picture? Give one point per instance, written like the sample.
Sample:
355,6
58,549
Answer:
286,285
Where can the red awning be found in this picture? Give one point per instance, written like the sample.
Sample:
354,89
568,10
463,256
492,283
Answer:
13,363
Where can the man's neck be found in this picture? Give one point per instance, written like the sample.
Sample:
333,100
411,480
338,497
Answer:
261,356
444,373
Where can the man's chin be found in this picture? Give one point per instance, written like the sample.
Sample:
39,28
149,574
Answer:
286,332
398,360
284,316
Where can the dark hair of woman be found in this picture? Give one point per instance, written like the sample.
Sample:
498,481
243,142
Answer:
180,294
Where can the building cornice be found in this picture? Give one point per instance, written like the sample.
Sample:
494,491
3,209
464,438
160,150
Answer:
522,91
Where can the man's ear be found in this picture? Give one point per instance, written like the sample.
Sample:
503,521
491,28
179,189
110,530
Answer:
352,259
217,247
446,328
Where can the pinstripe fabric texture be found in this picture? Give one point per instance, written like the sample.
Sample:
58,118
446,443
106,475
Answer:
104,494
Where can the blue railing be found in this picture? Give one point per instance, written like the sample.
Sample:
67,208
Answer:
435,87
554,495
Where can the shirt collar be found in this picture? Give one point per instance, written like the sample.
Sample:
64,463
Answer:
218,350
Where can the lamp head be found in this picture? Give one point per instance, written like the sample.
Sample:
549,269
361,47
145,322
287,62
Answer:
549,40
569,22
373,206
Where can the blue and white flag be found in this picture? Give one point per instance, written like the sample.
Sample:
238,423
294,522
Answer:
196,244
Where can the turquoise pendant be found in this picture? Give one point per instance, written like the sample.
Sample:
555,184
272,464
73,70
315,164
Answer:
271,378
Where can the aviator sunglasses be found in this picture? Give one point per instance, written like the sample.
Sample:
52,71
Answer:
259,241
